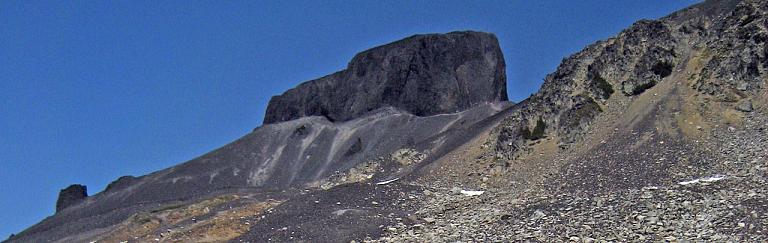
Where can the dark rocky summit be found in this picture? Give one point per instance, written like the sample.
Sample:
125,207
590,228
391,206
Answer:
423,75
71,195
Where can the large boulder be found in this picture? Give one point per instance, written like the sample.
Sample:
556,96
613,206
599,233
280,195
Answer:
71,195
422,74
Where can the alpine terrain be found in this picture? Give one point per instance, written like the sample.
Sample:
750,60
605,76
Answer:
659,133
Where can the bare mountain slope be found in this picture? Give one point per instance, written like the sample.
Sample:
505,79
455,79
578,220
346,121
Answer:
308,150
656,134
677,150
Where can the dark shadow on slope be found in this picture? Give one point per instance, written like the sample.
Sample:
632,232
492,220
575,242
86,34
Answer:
340,214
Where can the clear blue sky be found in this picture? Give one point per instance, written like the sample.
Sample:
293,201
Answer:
93,90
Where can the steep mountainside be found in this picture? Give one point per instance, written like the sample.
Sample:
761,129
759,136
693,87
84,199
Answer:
657,134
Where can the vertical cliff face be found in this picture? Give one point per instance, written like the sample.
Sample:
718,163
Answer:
71,195
423,75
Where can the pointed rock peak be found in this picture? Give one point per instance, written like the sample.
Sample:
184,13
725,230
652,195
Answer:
422,74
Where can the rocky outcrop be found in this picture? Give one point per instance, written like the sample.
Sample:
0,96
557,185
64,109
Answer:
738,57
646,52
423,75
730,34
70,196
745,106
571,97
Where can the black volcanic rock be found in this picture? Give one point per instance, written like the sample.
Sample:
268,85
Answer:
423,74
70,196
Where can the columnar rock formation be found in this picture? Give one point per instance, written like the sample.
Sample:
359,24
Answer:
423,75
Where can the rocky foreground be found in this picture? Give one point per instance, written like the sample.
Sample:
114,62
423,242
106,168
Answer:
731,204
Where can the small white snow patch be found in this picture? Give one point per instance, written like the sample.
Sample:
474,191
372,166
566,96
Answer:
472,193
706,179
339,212
713,179
689,182
387,181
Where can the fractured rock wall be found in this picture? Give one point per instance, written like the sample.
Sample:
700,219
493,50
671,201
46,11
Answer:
423,75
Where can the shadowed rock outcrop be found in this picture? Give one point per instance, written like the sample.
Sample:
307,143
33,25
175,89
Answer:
70,196
423,75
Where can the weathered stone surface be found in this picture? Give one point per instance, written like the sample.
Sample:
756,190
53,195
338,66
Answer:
745,106
728,34
70,196
739,41
423,75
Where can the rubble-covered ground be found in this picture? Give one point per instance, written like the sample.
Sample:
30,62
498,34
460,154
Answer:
729,205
